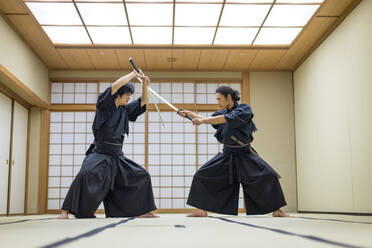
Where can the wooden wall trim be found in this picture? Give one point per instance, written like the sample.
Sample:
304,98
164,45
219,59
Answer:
153,79
43,164
29,95
12,95
150,107
294,137
10,158
27,159
246,93
72,107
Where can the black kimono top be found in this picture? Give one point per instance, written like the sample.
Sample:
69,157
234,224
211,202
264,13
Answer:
239,125
111,123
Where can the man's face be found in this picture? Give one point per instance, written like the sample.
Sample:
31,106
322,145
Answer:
221,100
124,99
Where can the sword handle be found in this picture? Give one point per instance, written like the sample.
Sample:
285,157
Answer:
134,65
187,117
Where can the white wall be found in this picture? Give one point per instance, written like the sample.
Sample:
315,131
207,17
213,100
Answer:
333,114
272,103
20,60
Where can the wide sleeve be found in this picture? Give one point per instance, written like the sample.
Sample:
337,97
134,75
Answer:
217,113
239,116
134,109
106,100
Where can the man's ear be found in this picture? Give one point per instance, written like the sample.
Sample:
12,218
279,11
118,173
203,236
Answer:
229,98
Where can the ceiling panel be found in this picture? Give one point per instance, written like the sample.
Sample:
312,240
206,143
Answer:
104,59
76,58
110,35
334,7
150,14
156,59
193,35
55,13
187,59
267,59
13,7
197,14
240,59
102,13
213,59
123,56
276,36
243,15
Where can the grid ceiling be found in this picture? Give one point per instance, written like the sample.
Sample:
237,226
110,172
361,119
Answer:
164,22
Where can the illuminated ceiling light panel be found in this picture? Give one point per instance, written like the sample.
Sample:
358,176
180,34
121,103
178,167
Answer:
66,35
150,14
197,14
276,36
110,35
103,13
235,36
290,15
190,35
244,15
152,35
54,13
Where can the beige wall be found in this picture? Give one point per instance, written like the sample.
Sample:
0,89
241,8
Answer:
272,104
19,59
333,109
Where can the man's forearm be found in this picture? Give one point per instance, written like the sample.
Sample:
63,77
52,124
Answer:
145,95
122,81
220,119
193,115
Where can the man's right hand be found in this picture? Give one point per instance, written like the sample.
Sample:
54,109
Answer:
183,113
139,74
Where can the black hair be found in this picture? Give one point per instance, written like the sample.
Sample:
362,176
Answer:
126,88
227,90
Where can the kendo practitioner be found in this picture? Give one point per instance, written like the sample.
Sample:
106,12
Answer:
106,174
215,186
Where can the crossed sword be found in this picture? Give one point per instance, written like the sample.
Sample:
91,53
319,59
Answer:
153,93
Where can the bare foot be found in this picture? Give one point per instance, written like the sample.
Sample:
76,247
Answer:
198,213
280,213
149,215
64,215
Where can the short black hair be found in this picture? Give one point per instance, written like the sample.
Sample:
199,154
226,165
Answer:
126,88
227,90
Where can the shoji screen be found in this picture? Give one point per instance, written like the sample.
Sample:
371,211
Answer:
172,161
70,136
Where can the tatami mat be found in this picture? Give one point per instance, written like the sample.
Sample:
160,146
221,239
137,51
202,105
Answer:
175,230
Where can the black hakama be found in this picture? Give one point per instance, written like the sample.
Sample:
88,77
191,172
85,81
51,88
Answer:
106,174
215,186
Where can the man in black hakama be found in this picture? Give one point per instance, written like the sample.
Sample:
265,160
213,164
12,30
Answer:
106,174
215,186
